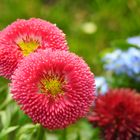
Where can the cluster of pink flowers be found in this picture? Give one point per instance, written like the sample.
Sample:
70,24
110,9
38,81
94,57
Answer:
53,86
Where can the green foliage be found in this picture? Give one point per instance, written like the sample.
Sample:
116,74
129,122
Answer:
121,44
122,81
6,131
114,19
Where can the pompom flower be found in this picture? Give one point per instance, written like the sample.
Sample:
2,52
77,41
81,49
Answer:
118,114
23,37
54,88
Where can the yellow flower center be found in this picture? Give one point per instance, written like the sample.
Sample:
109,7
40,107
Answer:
28,47
52,86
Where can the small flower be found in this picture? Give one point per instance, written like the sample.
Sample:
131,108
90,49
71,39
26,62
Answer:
124,62
118,114
113,62
55,88
23,37
101,85
134,40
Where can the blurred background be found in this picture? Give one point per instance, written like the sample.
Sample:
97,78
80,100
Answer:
90,26
93,28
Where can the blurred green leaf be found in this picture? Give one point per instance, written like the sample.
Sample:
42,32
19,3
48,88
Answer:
5,119
6,131
121,44
78,137
96,134
23,118
27,129
81,130
3,81
52,137
7,100
3,87
7,114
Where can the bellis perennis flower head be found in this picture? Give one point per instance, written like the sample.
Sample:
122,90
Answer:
118,114
55,88
23,37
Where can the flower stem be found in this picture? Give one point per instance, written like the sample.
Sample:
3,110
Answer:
65,134
41,133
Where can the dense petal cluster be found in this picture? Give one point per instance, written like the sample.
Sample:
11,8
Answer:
8,60
55,88
124,62
118,114
23,37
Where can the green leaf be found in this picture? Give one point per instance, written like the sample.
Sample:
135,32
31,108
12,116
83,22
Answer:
3,81
6,131
122,44
5,119
7,114
27,129
95,134
7,100
3,87
78,137
52,137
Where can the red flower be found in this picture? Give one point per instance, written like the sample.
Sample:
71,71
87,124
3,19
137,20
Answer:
118,114
53,88
24,37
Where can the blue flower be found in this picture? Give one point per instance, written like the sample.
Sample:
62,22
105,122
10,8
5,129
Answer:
124,62
101,85
134,40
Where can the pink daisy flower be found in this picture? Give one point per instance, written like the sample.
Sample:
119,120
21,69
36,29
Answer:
23,37
54,88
